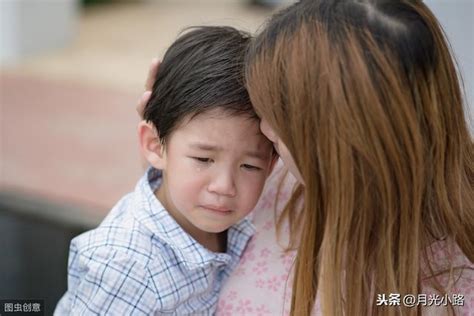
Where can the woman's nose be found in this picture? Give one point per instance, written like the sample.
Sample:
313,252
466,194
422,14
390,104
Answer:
223,183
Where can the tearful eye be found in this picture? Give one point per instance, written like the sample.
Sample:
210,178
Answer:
250,167
201,159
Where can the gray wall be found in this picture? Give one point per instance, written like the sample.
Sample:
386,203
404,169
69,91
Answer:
456,17
29,27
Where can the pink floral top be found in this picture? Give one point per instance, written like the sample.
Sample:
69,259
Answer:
261,283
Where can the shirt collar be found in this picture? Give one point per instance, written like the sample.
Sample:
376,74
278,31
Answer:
155,217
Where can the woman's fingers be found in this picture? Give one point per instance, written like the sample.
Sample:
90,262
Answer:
142,102
150,80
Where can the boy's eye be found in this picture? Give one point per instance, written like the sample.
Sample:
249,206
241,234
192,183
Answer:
250,167
201,159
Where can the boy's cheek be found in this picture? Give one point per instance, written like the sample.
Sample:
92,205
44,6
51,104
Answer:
186,184
253,192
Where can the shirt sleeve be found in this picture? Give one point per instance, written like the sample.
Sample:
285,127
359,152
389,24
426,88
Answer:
106,281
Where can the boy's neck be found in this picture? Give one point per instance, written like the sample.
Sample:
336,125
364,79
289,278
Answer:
216,242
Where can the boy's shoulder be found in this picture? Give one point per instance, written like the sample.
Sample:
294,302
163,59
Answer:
124,256
130,246
138,229
126,228
120,231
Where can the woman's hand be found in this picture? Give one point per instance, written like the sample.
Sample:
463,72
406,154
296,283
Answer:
150,80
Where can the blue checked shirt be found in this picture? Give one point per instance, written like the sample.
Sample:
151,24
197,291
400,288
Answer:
139,261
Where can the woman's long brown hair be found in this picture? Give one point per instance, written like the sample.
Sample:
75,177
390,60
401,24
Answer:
366,97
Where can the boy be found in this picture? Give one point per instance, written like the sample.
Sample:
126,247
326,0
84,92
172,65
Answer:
168,246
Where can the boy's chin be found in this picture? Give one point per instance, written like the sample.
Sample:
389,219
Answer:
214,229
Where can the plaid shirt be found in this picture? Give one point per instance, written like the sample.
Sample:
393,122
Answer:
139,261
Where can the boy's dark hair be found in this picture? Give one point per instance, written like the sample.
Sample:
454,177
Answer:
201,71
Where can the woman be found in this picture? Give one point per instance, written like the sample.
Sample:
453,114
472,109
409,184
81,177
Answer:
362,101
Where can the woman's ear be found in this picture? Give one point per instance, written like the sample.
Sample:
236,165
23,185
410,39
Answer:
152,148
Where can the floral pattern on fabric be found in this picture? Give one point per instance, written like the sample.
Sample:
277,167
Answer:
262,281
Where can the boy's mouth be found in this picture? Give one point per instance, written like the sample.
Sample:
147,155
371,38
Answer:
215,208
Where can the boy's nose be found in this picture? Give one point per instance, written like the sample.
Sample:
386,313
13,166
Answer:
223,183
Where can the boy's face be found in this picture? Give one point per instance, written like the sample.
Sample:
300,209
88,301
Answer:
214,169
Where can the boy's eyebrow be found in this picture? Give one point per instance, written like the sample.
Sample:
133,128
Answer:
208,147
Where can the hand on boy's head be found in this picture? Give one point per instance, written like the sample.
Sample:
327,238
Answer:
142,102
150,80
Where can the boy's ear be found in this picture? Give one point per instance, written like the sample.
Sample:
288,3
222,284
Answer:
150,145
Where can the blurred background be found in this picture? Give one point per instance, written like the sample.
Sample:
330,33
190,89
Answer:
71,72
